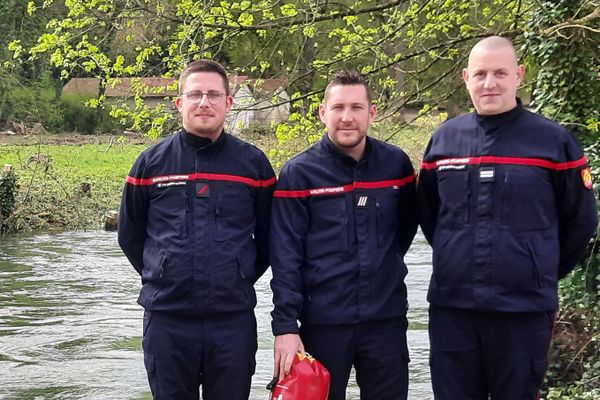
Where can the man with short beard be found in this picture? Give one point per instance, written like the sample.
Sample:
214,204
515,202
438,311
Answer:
344,215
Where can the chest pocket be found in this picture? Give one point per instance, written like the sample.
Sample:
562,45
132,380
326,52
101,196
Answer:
528,198
234,211
454,192
328,231
386,216
168,210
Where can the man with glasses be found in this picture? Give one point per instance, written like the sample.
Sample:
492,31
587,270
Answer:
194,224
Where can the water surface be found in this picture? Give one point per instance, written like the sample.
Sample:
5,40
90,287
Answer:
70,327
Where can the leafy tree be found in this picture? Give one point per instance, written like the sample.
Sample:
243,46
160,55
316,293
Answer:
563,42
410,49
19,30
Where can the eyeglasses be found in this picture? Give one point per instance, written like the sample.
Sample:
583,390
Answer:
196,96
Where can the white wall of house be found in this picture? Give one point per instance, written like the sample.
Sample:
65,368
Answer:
242,114
247,110
271,111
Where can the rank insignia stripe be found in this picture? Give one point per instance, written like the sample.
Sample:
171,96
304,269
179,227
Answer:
486,174
362,201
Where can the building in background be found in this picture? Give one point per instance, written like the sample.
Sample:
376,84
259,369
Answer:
257,102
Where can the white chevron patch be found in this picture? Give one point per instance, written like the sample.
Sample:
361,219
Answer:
362,201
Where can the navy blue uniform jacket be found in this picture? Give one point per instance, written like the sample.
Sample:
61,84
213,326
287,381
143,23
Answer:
508,208
339,233
194,223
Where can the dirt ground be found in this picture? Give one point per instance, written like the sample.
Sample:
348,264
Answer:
70,138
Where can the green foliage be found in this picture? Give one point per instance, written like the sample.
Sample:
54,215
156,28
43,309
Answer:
567,60
564,54
22,28
294,136
574,364
9,184
37,104
79,117
574,392
412,51
7,82
51,178
34,104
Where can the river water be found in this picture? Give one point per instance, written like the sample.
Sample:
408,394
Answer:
70,327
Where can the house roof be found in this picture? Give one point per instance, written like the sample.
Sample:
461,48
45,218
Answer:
124,88
89,86
260,88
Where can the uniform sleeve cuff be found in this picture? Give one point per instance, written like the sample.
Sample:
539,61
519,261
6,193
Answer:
282,329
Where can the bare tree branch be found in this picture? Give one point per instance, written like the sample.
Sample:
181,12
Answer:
580,23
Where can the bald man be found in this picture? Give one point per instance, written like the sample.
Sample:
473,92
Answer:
507,205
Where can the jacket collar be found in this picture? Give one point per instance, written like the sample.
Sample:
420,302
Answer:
201,143
495,121
335,151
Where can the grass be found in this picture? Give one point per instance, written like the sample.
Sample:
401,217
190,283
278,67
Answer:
52,177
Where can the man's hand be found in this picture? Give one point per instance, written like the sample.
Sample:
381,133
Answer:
286,347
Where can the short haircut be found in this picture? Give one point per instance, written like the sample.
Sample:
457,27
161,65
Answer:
492,43
347,78
204,65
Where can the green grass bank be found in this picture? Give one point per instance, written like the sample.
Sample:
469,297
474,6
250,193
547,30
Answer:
70,182
66,186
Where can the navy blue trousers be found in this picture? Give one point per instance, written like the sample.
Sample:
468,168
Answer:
377,349
480,355
183,353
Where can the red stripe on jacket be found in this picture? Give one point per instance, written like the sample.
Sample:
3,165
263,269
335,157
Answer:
536,162
329,190
201,176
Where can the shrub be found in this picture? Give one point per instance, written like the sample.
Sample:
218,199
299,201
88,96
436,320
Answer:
8,191
575,366
78,117
34,104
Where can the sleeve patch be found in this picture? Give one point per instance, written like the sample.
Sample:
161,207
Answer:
586,177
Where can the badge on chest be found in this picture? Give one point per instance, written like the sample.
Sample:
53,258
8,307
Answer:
486,174
202,189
